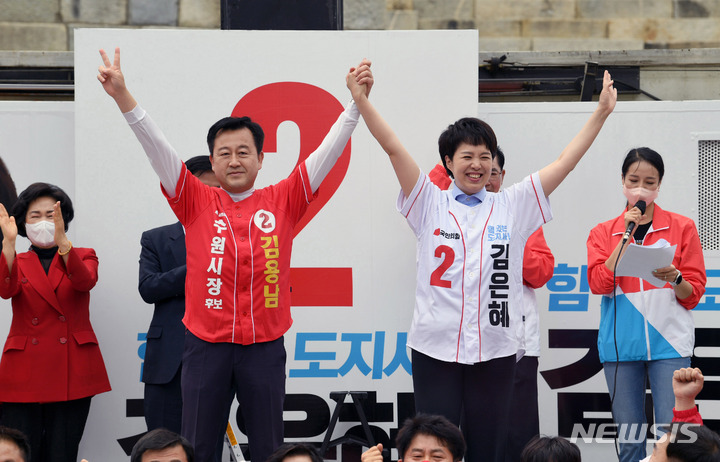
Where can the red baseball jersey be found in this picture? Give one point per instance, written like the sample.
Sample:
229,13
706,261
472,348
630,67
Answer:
238,257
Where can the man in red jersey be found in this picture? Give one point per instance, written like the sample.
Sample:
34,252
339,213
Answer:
239,241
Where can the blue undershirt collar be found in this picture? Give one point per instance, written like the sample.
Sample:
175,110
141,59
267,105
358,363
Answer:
469,200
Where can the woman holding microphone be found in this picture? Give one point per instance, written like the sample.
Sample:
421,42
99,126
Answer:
646,331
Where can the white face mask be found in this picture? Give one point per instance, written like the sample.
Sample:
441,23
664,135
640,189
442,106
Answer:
640,194
41,234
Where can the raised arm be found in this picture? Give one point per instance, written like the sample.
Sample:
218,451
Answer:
61,239
323,159
687,384
553,174
406,170
162,155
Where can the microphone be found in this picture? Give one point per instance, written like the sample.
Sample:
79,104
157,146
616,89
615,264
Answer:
640,205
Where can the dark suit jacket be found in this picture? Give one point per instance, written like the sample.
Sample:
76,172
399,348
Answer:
162,282
51,353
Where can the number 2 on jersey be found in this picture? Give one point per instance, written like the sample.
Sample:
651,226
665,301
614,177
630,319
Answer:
449,257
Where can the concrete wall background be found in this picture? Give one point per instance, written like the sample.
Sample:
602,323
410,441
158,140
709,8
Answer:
509,25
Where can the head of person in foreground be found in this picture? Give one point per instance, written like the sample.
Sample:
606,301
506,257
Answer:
14,446
429,437
550,449
162,445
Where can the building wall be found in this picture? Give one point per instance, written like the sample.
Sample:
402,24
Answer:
507,25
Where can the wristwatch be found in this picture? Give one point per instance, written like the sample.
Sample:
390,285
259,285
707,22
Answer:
677,280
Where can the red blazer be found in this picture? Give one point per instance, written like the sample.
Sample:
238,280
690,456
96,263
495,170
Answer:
51,353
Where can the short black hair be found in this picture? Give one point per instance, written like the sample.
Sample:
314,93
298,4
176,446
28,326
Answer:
692,443
198,165
36,191
550,448
160,438
295,449
441,428
470,130
8,193
644,154
18,438
232,124
500,156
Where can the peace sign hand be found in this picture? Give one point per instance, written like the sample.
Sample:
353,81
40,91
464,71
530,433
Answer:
113,81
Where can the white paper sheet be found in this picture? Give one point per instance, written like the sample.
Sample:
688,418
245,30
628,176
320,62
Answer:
640,261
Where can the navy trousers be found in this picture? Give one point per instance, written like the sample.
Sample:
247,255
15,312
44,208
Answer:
478,395
215,372
524,414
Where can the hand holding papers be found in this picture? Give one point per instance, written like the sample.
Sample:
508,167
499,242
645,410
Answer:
640,261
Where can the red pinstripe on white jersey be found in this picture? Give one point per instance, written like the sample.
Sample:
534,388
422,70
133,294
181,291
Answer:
469,269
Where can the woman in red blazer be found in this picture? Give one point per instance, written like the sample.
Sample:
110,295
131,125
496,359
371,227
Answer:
51,364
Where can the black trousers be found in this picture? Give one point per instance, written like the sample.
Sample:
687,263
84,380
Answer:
214,372
478,395
524,417
54,430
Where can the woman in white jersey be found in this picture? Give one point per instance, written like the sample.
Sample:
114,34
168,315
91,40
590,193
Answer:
464,333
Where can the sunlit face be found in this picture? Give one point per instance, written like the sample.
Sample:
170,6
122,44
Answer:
497,176
659,453
40,209
471,166
10,452
426,448
641,174
294,458
235,160
209,179
172,454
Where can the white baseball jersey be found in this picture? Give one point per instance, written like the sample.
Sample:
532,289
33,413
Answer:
469,269
538,264
531,323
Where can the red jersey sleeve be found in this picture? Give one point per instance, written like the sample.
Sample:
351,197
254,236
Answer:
538,261
688,415
439,177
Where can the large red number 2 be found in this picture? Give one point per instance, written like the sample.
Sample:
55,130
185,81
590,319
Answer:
436,276
314,110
